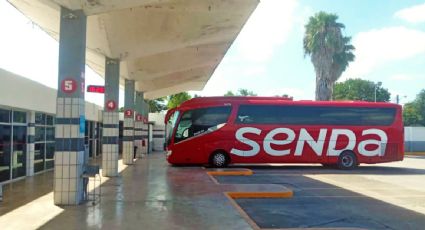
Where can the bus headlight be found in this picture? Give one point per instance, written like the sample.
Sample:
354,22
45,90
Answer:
169,152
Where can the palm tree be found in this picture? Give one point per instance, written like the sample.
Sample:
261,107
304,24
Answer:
330,51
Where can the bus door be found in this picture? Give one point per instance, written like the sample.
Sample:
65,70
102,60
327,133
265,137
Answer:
197,129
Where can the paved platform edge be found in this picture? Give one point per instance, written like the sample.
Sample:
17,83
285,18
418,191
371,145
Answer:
232,196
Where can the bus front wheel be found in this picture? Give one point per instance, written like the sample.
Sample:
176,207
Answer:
219,159
347,160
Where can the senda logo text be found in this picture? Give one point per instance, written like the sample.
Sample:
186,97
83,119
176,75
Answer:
304,138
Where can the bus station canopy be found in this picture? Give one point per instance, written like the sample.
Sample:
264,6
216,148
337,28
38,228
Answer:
166,46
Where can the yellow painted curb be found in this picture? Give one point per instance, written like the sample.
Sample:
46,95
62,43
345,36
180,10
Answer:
414,153
238,195
231,173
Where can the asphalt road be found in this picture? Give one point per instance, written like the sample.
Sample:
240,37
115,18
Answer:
382,196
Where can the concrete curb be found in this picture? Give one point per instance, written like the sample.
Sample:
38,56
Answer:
414,154
244,195
231,173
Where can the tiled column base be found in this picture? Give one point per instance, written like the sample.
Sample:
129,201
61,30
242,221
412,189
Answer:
138,137
68,185
145,138
128,141
30,159
69,152
110,144
158,137
30,144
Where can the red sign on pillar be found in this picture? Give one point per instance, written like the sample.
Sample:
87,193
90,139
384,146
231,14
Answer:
111,105
68,85
128,113
139,117
145,120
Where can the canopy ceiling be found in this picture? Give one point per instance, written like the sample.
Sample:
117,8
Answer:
167,46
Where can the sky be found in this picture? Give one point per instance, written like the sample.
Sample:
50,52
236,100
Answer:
267,57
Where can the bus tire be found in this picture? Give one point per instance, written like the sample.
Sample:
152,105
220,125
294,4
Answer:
219,159
347,160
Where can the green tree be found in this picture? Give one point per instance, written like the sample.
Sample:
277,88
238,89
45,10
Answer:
229,93
360,90
157,105
411,115
245,92
176,99
330,51
414,112
240,92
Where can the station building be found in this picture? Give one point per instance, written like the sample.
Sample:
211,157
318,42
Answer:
27,128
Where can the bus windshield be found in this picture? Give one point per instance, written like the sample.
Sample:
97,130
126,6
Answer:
171,125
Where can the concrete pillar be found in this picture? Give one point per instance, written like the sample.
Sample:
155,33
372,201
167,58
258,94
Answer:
30,143
128,134
94,142
145,132
70,109
111,118
138,124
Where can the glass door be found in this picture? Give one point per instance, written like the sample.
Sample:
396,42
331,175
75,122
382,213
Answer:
5,133
19,151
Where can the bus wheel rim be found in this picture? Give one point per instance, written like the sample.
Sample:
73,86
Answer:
347,161
219,159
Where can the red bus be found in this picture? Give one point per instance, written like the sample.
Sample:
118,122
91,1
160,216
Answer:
230,130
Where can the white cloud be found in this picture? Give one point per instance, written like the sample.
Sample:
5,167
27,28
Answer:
402,77
381,46
257,70
414,14
297,93
269,26
35,58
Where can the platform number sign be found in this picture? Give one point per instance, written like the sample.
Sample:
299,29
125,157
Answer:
111,105
128,113
69,85
139,117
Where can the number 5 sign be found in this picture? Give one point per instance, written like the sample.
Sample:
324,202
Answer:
68,85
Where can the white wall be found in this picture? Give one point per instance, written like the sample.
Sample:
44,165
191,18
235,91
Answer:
93,112
414,133
158,131
414,139
157,118
22,93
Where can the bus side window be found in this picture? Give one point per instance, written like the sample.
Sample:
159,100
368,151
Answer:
245,119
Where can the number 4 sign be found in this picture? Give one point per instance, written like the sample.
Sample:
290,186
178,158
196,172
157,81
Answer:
111,105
